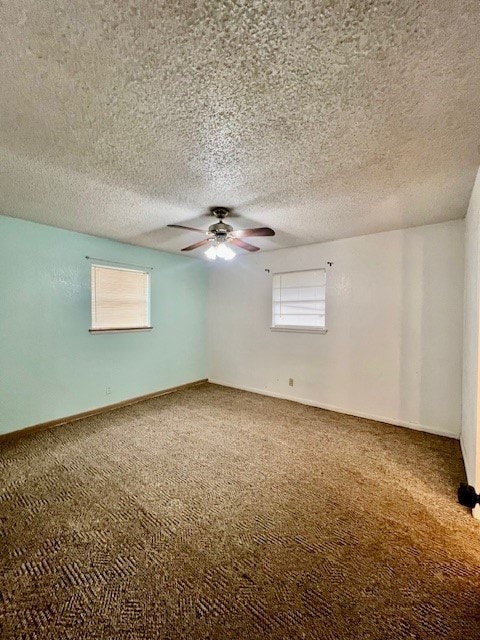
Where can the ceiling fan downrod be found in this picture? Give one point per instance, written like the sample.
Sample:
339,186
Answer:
220,212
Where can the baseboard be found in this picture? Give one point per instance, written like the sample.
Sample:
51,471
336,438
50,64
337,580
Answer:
43,426
348,412
20,433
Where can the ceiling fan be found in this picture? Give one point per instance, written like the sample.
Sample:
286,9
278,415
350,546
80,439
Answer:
220,235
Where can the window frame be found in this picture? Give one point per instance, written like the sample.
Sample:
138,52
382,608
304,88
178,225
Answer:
100,331
298,328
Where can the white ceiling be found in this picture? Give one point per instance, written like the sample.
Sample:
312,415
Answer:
320,119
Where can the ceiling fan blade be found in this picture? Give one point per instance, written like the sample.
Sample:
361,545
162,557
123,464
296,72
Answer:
197,244
180,226
244,245
260,231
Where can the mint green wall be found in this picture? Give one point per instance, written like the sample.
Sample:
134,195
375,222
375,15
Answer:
50,365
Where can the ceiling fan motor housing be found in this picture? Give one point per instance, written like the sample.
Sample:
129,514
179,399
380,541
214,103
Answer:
220,229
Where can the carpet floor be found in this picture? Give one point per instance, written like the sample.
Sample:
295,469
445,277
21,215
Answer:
216,513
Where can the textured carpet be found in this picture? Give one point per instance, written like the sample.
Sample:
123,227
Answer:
215,513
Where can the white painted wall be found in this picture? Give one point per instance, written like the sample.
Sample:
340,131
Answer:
470,438
393,350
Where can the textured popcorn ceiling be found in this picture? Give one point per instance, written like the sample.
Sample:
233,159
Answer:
320,119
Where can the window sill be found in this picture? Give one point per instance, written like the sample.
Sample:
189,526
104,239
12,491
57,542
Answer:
298,329
127,330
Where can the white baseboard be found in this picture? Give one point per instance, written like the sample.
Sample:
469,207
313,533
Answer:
349,412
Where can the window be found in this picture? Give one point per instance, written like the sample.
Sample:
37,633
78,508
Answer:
120,299
298,301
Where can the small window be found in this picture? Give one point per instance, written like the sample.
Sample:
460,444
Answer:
120,299
298,301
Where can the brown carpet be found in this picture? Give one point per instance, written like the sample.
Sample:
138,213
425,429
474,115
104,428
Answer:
214,513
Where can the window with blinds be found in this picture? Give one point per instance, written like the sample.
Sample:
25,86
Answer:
298,300
120,299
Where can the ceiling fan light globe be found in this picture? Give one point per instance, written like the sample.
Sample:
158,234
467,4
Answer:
221,250
211,252
225,252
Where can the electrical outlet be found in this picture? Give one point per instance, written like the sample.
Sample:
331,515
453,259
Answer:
290,382
108,391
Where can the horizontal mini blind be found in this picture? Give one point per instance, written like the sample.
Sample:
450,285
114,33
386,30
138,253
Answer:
120,298
299,299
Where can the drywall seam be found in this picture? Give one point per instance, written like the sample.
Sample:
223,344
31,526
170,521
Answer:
327,407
